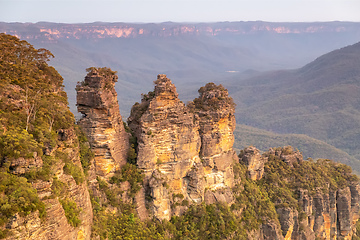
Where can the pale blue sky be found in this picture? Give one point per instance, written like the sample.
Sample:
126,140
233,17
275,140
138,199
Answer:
75,11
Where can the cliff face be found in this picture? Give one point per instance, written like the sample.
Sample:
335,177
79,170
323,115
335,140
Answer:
102,122
183,152
55,225
323,212
332,215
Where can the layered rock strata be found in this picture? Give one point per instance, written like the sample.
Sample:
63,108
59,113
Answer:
331,215
101,120
183,150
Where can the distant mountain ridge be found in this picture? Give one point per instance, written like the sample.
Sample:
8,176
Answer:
322,93
53,31
190,53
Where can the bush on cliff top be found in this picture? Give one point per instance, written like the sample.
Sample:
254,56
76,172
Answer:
212,97
103,71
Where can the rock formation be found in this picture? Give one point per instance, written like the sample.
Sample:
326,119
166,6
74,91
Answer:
325,213
287,155
186,155
215,111
254,161
183,150
101,120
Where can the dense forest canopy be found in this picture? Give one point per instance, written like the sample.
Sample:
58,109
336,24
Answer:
33,103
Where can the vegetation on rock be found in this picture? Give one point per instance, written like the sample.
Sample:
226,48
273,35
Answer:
129,173
103,71
86,155
33,112
212,97
18,196
71,212
255,203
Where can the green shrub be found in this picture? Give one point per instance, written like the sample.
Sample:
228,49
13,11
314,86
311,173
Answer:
132,174
86,155
103,71
178,195
58,188
75,171
45,172
70,168
71,212
126,127
18,196
17,143
185,202
132,156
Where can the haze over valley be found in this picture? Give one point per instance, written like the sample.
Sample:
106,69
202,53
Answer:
192,54
317,99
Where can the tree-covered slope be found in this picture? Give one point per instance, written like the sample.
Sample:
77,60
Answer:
319,100
310,147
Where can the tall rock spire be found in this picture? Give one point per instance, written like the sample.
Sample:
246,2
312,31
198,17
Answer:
101,120
168,144
215,111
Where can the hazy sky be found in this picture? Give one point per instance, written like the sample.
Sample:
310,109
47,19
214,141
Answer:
73,11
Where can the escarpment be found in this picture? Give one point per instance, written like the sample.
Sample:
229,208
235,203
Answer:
101,120
185,152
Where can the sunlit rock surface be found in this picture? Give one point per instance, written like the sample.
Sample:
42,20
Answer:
183,150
